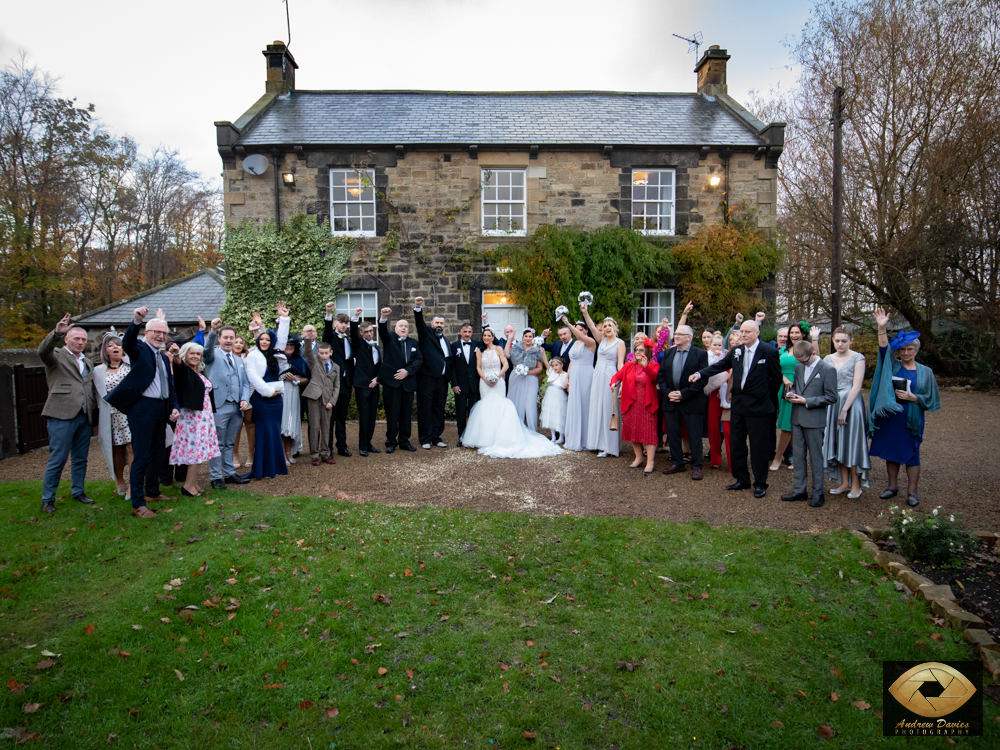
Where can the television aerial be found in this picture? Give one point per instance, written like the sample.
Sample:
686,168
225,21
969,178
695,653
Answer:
693,43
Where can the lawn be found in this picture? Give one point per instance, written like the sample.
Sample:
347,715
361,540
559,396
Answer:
245,620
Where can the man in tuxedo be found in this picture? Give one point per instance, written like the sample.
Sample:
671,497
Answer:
367,363
69,409
464,377
756,379
432,378
401,359
231,393
561,347
681,401
146,397
335,332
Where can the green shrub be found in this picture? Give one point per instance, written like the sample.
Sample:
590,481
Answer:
929,538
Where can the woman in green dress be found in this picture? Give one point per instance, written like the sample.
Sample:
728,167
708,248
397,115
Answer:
796,332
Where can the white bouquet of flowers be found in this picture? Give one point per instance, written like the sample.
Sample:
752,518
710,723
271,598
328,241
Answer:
586,298
560,311
521,370
492,377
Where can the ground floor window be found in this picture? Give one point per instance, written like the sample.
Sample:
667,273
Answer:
348,302
651,307
503,310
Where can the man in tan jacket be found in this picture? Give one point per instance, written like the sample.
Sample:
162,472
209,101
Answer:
70,406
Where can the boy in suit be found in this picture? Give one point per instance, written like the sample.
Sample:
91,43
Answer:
401,361
69,407
464,377
756,379
367,363
321,396
813,391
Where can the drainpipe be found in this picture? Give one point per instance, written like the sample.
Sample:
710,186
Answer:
726,155
275,153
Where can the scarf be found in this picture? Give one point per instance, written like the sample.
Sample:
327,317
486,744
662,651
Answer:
882,397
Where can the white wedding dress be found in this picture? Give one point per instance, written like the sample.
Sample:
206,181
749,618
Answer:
494,427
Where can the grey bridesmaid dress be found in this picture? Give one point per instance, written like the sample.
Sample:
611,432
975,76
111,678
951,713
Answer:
847,444
581,374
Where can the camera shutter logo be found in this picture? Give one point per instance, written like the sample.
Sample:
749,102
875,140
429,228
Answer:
957,689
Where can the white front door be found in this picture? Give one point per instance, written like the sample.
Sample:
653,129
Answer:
503,311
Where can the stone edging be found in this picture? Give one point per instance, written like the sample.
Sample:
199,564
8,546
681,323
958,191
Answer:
941,599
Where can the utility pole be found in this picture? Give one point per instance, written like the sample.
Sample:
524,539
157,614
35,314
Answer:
838,206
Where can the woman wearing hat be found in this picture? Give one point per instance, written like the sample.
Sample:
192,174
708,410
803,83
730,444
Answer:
901,392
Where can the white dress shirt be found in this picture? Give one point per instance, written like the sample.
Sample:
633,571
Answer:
810,368
466,351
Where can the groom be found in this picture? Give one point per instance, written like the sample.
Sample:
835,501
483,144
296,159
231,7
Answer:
432,378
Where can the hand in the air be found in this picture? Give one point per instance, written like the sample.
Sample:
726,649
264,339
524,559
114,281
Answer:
160,314
759,317
63,325
739,318
418,302
358,311
140,314
881,317
384,313
546,332
688,308
330,307
282,310
201,323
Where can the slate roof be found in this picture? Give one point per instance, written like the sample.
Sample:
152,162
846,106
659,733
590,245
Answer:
182,300
485,118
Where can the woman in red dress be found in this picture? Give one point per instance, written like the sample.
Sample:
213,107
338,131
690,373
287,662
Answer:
640,404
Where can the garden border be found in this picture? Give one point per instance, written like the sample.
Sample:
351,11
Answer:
940,597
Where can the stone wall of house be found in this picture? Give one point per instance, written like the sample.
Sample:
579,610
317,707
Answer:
582,188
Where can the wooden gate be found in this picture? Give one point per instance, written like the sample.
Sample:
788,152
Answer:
31,391
8,406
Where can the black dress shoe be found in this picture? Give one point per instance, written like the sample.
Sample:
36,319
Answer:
409,448
237,479
390,449
218,484
816,501
363,453
343,452
737,486
49,507
83,499
372,449
759,491
793,496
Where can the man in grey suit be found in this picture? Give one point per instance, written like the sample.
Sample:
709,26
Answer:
71,403
231,391
813,390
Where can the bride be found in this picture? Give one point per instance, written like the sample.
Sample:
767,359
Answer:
494,427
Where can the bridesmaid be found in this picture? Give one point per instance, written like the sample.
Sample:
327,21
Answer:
523,389
610,358
581,375
845,444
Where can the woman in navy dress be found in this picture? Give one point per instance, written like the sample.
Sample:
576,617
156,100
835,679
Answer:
896,416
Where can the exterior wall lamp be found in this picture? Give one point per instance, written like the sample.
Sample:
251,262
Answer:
289,179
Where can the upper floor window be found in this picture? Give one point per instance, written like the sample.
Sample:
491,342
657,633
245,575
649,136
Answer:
653,201
504,204
352,202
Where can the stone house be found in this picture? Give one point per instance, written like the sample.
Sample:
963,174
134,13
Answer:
419,175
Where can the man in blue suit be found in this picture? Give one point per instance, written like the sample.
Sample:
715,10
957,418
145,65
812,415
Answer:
231,391
146,396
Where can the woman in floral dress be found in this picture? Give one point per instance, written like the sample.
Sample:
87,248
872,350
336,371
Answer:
195,438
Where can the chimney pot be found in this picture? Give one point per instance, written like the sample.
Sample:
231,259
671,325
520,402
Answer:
711,71
281,68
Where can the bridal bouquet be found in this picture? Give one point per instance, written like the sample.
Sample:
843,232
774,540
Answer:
521,370
560,311
492,377
585,298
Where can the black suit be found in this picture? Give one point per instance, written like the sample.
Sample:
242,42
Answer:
690,410
465,377
432,381
346,365
397,395
365,370
556,350
147,417
754,404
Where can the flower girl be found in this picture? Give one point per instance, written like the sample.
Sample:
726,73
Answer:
553,415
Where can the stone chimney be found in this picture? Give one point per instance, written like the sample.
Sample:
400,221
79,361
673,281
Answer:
711,70
281,69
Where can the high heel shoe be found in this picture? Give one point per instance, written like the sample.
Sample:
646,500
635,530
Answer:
188,494
774,468
649,471
635,466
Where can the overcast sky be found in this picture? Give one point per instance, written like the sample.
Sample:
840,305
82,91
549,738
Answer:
164,72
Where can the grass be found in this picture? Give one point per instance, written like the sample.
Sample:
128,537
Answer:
488,626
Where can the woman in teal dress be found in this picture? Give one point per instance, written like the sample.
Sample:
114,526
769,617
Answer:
896,416
796,332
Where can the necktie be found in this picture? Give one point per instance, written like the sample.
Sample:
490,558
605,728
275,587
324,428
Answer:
162,370
229,359
747,356
328,366
678,368
406,354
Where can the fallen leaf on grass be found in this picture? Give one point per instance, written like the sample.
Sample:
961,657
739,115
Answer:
210,502
383,670
801,693
834,697
826,731
274,686
529,643
304,705
528,735
836,673
14,686
30,708
504,667
46,652
45,664
281,667
124,654
625,665
89,630
725,709
936,637
332,712
506,687
178,526
777,725
179,675
860,704
355,662
409,673
444,617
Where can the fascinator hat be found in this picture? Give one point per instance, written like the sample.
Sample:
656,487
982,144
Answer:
648,343
805,327
903,338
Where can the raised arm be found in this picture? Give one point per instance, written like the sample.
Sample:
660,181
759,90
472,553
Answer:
48,344
211,340
579,336
418,319
882,319
284,325
590,323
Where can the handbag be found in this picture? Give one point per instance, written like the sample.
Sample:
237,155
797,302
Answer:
614,414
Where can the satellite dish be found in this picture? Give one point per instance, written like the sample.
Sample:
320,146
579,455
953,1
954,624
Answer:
255,164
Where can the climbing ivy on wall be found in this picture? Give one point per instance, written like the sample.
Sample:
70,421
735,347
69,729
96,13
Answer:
302,266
